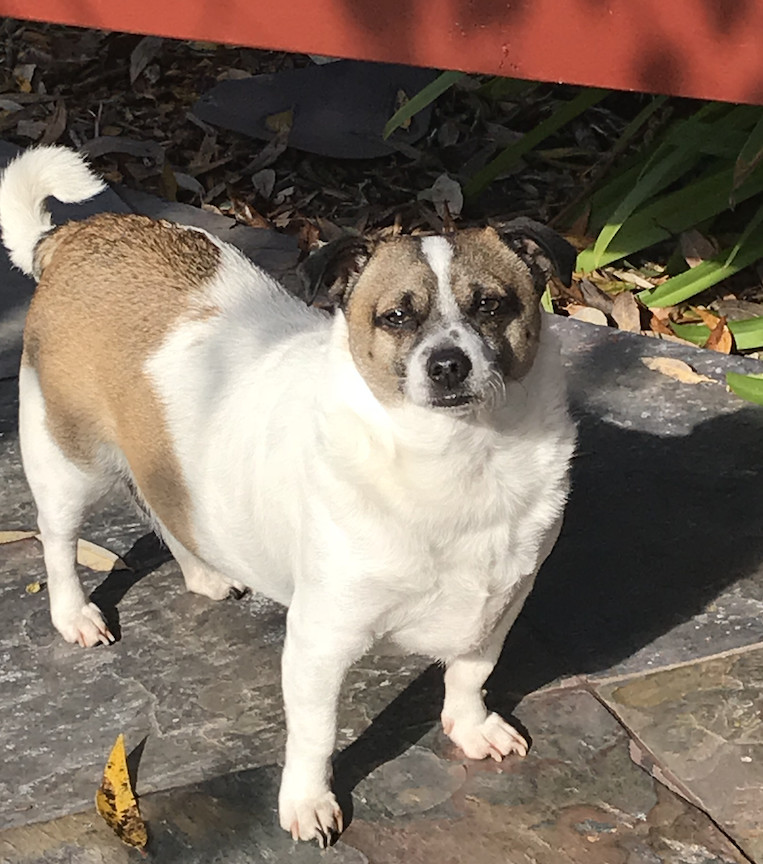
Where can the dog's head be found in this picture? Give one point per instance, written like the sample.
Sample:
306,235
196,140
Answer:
443,321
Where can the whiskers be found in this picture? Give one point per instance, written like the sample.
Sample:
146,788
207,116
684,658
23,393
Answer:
495,390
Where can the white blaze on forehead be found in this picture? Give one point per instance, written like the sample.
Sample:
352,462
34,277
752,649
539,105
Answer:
438,253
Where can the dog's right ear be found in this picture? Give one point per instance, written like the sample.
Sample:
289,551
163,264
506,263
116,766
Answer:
329,274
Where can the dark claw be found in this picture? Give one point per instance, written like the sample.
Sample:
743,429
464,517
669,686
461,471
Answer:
235,593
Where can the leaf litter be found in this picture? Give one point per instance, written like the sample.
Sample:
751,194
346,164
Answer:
127,99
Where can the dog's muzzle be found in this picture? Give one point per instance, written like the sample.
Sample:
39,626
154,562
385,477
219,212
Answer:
447,370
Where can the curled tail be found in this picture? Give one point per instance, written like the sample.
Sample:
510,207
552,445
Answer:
37,174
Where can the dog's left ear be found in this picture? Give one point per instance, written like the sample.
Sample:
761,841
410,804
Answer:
329,274
541,248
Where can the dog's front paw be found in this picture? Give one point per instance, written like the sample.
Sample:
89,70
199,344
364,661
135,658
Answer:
492,737
85,626
317,818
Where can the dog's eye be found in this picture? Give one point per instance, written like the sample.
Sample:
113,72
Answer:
397,319
489,305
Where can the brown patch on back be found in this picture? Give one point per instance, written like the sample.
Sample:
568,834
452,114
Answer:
482,261
111,289
396,272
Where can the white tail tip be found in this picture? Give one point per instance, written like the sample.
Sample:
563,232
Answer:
31,178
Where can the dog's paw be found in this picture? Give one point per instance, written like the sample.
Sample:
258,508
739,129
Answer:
493,737
318,818
85,626
212,584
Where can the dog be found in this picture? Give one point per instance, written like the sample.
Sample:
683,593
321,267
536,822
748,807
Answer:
397,470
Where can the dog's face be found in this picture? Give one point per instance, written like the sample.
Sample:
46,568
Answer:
443,322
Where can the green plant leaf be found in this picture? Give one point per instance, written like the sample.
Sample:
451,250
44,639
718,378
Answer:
697,334
715,129
750,154
748,334
749,387
508,157
673,213
645,187
744,237
424,97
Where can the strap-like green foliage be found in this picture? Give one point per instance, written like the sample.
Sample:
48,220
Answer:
749,387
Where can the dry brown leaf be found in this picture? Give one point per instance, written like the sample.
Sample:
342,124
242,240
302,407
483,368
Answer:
23,74
633,278
143,53
31,129
676,369
662,313
97,558
264,182
658,325
696,248
446,195
720,338
115,799
708,318
587,313
596,298
13,536
626,312
56,125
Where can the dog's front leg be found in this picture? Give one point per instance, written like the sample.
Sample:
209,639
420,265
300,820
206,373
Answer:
465,719
317,653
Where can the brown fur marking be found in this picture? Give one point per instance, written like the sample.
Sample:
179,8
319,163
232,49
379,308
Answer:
111,288
396,270
483,261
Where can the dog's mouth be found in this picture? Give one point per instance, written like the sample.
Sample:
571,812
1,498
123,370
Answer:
452,400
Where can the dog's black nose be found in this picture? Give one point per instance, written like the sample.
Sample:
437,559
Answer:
448,367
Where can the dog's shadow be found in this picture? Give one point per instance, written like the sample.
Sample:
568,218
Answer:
145,555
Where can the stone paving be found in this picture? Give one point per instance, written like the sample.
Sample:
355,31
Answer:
636,667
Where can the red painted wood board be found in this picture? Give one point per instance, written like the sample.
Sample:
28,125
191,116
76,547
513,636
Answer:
705,48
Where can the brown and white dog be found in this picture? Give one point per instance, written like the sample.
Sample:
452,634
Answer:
396,471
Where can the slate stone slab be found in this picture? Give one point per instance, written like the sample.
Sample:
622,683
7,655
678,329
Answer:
634,582
199,681
576,798
703,729
660,559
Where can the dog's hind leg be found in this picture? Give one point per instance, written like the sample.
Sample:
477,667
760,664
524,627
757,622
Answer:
63,493
199,577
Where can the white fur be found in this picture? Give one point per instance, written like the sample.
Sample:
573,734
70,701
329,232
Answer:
407,524
451,330
439,253
63,493
417,526
44,172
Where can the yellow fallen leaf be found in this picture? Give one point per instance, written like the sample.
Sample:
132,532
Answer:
33,588
13,536
97,558
280,122
115,800
676,369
